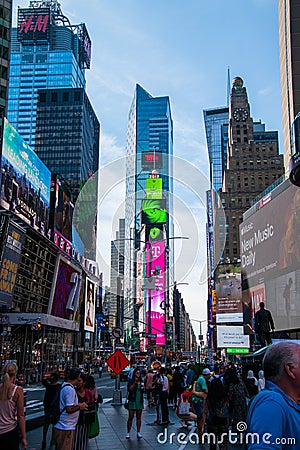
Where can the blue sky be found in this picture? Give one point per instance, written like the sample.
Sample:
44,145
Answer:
181,49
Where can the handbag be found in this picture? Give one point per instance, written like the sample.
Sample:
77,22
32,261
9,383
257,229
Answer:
184,408
89,415
126,404
94,428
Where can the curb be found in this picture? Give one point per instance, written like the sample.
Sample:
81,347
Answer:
34,421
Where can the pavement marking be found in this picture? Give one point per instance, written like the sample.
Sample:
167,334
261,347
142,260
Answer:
182,447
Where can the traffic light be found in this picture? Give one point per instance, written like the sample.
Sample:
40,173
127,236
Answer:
107,322
39,324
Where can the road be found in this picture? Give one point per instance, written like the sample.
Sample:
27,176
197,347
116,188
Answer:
35,393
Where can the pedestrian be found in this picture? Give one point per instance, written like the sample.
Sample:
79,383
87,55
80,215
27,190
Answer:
190,375
218,413
263,325
178,384
164,394
199,395
148,380
238,396
52,386
11,410
184,408
169,375
261,383
157,388
135,390
100,369
64,429
85,417
274,413
251,384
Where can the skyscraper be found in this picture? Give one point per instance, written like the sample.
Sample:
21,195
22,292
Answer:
67,135
288,18
216,128
47,51
253,164
5,25
149,157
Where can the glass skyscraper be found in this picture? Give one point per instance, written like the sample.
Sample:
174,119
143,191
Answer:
216,128
46,52
149,155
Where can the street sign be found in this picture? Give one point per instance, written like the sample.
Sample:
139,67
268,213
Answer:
237,350
117,361
117,332
152,336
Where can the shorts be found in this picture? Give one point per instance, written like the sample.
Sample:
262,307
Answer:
198,408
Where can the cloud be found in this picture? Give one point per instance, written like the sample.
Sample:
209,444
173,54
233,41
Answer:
110,149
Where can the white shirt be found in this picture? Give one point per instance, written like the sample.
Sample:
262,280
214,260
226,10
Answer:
68,397
165,380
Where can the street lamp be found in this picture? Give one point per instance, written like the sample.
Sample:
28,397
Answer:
200,336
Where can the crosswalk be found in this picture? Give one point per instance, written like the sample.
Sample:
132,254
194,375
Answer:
36,406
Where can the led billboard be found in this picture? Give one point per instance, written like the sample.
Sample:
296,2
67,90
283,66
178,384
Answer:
89,310
66,290
154,188
11,254
154,211
229,306
270,256
25,180
61,210
151,160
155,261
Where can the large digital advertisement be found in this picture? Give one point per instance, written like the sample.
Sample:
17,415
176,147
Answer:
270,257
89,310
66,290
155,261
25,180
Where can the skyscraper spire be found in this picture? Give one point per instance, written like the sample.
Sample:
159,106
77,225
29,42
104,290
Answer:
228,86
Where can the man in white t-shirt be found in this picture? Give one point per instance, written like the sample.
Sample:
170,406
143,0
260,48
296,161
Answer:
164,382
64,429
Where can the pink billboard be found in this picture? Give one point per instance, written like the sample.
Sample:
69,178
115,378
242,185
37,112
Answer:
156,263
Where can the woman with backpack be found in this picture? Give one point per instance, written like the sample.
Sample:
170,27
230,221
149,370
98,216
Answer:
11,410
217,419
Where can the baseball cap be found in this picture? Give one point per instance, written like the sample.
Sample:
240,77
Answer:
206,372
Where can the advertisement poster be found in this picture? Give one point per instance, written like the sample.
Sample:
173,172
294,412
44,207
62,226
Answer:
89,310
232,336
10,262
25,180
229,306
270,256
156,261
67,290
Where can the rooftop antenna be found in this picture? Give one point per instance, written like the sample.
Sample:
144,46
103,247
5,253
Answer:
228,86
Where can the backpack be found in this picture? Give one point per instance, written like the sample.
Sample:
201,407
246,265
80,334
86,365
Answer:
54,410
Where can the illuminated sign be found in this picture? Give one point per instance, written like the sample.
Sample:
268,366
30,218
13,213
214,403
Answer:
156,262
154,211
151,160
25,180
34,24
67,287
154,188
10,262
89,310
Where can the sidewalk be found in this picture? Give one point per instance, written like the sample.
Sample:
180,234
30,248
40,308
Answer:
113,430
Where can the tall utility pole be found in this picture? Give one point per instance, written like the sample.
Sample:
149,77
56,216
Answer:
200,337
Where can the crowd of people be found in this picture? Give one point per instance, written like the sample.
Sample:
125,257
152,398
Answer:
215,401
77,399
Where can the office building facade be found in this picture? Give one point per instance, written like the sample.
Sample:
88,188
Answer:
149,157
288,21
47,51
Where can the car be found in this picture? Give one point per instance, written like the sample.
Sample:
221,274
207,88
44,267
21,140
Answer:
124,374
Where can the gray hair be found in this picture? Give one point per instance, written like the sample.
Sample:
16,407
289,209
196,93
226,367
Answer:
277,356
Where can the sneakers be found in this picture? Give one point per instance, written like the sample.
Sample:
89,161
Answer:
139,436
183,424
127,436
